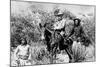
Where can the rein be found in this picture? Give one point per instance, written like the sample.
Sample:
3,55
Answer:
49,30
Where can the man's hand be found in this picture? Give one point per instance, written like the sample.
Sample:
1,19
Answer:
62,33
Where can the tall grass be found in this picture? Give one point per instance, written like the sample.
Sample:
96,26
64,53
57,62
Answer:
82,53
40,55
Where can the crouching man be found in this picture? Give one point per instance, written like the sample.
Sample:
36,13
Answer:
22,53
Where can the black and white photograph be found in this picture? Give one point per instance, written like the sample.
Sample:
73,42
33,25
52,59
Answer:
43,33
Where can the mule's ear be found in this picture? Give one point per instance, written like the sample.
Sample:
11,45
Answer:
40,25
45,25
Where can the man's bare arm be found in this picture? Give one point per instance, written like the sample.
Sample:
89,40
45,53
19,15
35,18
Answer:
29,53
16,52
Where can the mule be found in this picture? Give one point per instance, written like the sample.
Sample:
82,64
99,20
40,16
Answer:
53,43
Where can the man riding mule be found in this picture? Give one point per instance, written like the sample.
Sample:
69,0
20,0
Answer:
59,28
55,38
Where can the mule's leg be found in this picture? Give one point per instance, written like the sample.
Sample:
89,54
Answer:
48,46
51,54
69,54
55,51
70,49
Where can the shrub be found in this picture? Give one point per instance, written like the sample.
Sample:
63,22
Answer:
40,55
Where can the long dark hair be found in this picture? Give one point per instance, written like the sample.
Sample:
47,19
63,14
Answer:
78,24
25,41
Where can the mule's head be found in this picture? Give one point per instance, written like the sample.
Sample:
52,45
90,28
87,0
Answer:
45,31
42,34
42,37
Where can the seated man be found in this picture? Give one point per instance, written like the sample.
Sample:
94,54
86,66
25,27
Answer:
22,53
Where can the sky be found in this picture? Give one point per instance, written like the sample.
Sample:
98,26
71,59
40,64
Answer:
20,6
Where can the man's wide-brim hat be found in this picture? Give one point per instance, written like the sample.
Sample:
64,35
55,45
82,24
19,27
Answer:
58,13
79,20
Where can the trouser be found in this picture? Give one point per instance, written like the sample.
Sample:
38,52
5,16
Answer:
21,62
